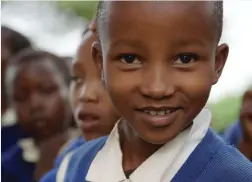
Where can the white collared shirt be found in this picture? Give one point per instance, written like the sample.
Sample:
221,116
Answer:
9,118
30,150
162,166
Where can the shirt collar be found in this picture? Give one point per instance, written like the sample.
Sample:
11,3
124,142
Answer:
9,118
30,151
107,165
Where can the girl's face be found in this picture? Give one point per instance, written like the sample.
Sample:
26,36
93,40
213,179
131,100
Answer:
93,111
159,68
246,113
5,56
40,99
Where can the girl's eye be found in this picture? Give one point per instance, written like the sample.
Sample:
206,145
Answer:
186,58
76,79
47,89
130,59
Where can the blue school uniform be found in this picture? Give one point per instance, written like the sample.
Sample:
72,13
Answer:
10,135
70,147
212,160
14,167
51,175
233,134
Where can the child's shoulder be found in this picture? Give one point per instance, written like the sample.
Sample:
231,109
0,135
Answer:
75,165
11,156
14,165
68,147
10,139
88,150
214,160
228,164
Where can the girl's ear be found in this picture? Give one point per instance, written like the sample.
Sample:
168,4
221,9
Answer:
220,60
97,57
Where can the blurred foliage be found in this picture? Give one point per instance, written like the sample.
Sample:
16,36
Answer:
225,111
84,9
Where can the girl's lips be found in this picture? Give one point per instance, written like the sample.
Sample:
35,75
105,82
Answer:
88,120
157,120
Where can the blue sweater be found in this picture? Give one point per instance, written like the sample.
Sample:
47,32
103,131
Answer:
51,175
233,134
211,161
14,168
70,147
10,136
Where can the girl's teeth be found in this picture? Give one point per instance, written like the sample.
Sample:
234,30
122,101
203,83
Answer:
167,111
161,113
153,113
158,113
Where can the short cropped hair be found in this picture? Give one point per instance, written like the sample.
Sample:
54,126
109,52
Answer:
91,27
86,30
31,55
217,14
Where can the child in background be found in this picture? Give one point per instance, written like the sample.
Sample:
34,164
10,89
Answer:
93,111
38,83
158,69
12,43
240,133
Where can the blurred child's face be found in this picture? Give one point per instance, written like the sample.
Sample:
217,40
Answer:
93,111
246,112
159,67
5,49
40,99
5,56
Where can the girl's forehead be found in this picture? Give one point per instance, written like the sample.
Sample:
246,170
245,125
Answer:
83,54
42,65
43,69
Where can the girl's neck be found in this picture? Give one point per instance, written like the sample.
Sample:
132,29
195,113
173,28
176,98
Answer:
135,150
57,138
49,149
